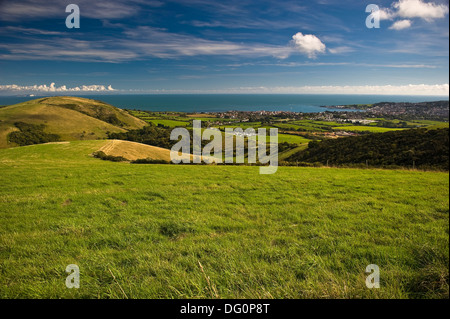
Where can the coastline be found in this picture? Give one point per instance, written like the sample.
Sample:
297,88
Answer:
304,103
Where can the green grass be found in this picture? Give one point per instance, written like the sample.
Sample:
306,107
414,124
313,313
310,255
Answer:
308,125
210,119
169,123
288,138
286,126
363,128
437,126
286,154
328,123
300,233
430,123
294,139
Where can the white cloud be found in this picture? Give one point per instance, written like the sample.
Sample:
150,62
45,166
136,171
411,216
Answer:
387,14
371,65
341,50
140,43
53,88
410,9
401,24
20,30
150,41
41,9
419,9
308,44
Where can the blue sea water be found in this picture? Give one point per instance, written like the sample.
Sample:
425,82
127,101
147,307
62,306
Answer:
306,103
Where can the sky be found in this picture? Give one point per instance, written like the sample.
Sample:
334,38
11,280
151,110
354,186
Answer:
229,46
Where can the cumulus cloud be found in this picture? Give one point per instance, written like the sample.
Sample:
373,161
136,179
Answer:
53,88
419,9
387,14
308,44
400,25
410,9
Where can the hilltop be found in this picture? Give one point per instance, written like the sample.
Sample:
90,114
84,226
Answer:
63,118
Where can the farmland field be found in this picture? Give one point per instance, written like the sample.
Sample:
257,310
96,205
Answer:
168,123
372,129
142,231
295,139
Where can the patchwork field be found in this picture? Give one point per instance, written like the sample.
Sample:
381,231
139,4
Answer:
373,129
142,231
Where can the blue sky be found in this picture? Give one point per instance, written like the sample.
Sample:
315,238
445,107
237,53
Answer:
237,46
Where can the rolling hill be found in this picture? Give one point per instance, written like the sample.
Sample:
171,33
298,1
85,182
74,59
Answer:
71,118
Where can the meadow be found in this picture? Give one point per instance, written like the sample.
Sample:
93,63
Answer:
372,129
172,231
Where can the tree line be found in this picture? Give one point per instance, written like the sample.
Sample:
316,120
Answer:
420,148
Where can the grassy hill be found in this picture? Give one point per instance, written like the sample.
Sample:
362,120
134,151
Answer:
72,118
140,231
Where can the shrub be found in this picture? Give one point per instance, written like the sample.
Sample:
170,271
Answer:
30,134
149,161
103,156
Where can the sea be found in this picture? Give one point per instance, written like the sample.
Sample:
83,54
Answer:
305,103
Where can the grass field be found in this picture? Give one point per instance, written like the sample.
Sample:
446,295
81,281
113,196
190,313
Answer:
438,125
283,155
169,123
430,123
142,231
361,128
295,139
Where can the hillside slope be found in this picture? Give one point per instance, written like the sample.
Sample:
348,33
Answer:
133,151
72,118
420,147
